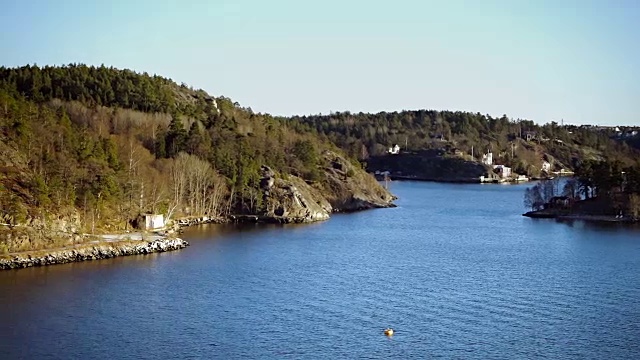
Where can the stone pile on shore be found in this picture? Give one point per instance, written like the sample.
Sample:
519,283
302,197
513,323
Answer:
91,252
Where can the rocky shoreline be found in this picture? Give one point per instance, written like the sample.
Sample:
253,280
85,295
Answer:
102,250
285,199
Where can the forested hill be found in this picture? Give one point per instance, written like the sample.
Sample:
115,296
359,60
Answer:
522,144
98,146
102,85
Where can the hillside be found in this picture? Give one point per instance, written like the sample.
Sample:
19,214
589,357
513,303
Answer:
88,149
521,144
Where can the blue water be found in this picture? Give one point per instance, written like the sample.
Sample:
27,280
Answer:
455,270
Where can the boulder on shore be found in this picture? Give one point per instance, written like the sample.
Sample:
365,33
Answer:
292,200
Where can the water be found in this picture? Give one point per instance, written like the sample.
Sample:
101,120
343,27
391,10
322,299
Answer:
455,270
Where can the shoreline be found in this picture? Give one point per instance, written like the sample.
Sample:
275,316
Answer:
139,243
96,250
455,181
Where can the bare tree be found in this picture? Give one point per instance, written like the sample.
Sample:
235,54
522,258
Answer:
195,185
534,197
548,190
571,189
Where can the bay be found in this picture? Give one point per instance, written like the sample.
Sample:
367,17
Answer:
455,270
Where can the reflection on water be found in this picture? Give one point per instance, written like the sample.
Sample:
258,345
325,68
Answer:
606,227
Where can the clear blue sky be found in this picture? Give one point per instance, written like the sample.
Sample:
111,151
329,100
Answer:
540,60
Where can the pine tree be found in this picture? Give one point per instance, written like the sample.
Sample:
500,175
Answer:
176,138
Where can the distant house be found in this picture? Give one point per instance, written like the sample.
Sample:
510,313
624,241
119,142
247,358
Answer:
153,221
487,158
503,171
529,135
558,202
546,166
395,150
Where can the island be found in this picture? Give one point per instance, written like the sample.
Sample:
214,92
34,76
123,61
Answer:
601,191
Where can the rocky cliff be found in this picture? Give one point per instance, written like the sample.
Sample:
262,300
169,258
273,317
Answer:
350,188
42,232
90,252
290,199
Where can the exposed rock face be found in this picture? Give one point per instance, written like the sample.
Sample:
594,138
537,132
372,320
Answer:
91,252
268,178
292,200
48,231
350,188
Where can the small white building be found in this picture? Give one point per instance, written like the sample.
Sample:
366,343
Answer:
487,159
395,150
503,171
153,221
546,166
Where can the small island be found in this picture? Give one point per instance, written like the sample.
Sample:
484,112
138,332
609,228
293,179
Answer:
601,191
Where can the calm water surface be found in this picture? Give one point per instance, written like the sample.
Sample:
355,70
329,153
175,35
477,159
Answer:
455,270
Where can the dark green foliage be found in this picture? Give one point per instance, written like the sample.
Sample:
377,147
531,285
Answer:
306,152
196,143
93,85
176,138
604,177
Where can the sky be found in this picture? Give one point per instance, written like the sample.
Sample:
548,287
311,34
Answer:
577,61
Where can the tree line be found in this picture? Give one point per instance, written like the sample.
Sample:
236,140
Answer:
363,135
615,186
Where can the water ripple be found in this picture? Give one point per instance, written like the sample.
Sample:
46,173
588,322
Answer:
464,279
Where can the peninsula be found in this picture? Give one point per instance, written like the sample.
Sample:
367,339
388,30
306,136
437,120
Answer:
88,151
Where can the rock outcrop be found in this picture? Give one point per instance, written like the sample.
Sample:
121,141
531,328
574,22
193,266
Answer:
350,188
290,199
90,252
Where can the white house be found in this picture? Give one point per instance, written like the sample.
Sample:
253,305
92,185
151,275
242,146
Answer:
487,158
394,150
503,171
546,166
153,221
